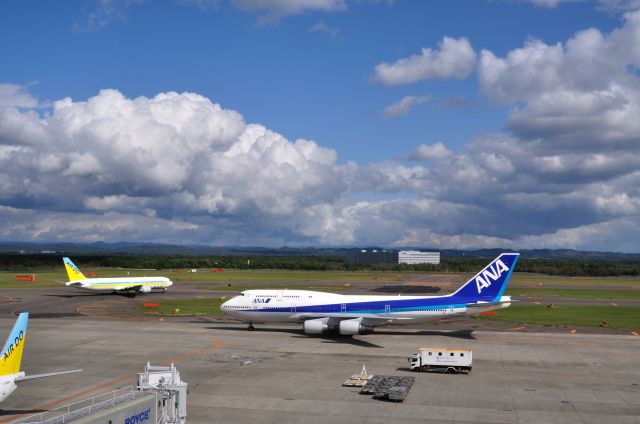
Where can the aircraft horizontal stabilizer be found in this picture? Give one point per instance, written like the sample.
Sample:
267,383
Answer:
475,308
485,304
50,374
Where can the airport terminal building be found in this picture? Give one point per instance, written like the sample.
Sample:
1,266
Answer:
418,257
375,256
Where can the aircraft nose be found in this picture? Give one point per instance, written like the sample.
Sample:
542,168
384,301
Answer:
225,305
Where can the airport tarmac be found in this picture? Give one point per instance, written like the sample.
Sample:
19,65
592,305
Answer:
277,374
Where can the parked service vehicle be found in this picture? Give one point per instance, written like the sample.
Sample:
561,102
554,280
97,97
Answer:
441,359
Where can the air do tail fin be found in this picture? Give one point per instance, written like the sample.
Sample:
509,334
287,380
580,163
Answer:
11,355
489,284
72,270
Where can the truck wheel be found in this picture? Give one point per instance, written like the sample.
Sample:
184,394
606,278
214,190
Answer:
451,370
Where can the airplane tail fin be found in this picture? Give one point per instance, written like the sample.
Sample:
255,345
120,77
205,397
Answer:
11,355
73,271
489,284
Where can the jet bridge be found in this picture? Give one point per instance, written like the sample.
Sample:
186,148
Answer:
160,397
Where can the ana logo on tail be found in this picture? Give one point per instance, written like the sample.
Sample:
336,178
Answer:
491,274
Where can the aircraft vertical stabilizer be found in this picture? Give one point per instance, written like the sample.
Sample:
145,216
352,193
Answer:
73,271
12,352
489,284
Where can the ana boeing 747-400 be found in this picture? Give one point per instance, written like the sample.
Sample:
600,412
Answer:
121,285
320,312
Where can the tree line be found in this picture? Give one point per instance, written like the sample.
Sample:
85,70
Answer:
563,267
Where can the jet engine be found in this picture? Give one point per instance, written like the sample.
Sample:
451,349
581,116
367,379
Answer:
352,327
145,289
315,326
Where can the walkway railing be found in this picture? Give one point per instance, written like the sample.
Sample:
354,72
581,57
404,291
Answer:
73,411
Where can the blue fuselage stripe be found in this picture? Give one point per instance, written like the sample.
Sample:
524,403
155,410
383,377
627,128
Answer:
403,305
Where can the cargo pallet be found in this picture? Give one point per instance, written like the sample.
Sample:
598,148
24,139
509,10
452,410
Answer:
388,387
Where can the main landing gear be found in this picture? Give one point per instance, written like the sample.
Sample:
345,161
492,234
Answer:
250,327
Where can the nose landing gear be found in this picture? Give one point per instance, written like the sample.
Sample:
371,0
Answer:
250,327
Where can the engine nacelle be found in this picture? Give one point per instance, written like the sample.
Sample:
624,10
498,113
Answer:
315,326
352,327
145,289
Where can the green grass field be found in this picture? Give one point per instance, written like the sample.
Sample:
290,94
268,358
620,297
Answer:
239,288
576,293
48,278
582,316
284,276
209,306
534,280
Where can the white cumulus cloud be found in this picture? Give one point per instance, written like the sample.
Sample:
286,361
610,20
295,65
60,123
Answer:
403,106
16,95
454,58
581,94
273,10
430,152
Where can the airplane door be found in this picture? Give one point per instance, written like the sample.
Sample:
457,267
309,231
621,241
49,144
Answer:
293,307
387,308
279,296
343,307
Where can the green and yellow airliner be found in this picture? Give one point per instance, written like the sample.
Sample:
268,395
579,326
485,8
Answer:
120,285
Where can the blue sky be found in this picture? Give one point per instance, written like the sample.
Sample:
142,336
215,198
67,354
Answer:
311,70
300,83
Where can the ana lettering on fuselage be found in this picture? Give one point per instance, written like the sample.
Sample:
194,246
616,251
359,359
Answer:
261,300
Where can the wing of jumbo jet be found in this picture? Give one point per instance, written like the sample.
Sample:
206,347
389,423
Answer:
367,320
381,320
130,288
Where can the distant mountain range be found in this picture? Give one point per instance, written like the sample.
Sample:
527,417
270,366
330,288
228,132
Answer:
136,248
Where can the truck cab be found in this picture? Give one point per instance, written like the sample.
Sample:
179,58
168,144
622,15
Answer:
414,361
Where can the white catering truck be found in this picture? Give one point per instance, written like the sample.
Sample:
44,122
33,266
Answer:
441,359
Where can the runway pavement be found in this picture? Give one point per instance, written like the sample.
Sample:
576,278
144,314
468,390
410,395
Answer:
277,374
